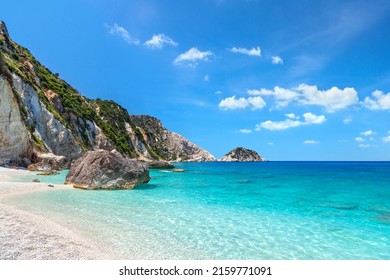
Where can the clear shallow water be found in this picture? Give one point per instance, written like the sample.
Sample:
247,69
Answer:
51,179
270,210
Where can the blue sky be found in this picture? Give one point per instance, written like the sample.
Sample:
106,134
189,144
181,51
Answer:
293,80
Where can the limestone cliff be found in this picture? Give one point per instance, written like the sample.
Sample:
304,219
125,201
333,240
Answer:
168,145
241,154
41,113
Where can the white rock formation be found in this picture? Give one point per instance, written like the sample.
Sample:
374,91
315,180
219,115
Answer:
179,145
58,139
14,137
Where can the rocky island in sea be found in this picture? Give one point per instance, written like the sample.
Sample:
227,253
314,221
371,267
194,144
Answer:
241,154
46,123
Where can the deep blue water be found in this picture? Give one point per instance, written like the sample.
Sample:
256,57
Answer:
266,210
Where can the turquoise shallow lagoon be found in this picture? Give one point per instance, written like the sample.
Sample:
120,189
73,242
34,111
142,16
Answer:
267,210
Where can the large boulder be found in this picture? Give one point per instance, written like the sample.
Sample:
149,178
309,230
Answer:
102,169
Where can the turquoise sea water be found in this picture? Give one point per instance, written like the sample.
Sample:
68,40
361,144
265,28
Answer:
267,210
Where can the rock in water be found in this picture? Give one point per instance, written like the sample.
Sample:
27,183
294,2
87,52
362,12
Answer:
160,164
102,169
242,154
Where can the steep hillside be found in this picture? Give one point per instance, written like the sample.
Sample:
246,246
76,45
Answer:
41,113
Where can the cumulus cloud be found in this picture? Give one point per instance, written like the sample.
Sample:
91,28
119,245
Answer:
386,139
245,131
368,133
332,100
232,103
120,31
282,96
308,119
360,139
193,56
311,142
251,52
158,41
380,101
292,116
277,60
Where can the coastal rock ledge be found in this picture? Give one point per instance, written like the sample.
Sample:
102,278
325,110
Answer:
241,154
102,169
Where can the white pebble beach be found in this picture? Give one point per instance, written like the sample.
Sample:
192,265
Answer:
27,236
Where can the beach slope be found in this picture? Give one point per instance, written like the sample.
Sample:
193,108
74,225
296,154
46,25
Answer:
27,236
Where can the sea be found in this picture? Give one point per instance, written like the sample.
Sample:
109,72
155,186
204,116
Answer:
219,210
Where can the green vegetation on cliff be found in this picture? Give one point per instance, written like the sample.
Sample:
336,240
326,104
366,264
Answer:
76,109
132,136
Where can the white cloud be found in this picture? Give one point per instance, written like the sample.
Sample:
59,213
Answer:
386,139
192,56
309,119
282,96
311,142
368,133
380,101
120,31
364,145
206,77
245,131
251,52
292,116
347,121
218,92
270,143
277,60
332,100
158,41
257,102
232,103
313,119
360,139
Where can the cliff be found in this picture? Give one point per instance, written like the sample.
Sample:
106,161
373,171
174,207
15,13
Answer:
242,154
41,113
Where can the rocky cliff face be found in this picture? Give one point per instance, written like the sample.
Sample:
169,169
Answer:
242,154
41,113
14,137
168,145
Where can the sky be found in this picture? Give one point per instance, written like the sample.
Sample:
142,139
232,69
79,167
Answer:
293,80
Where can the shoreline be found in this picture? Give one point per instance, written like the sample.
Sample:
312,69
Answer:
27,236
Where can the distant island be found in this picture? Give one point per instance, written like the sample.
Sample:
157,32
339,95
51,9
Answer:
241,154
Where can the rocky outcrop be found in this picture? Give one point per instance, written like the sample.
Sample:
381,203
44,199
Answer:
102,169
241,154
168,145
49,162
41,113
160,164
